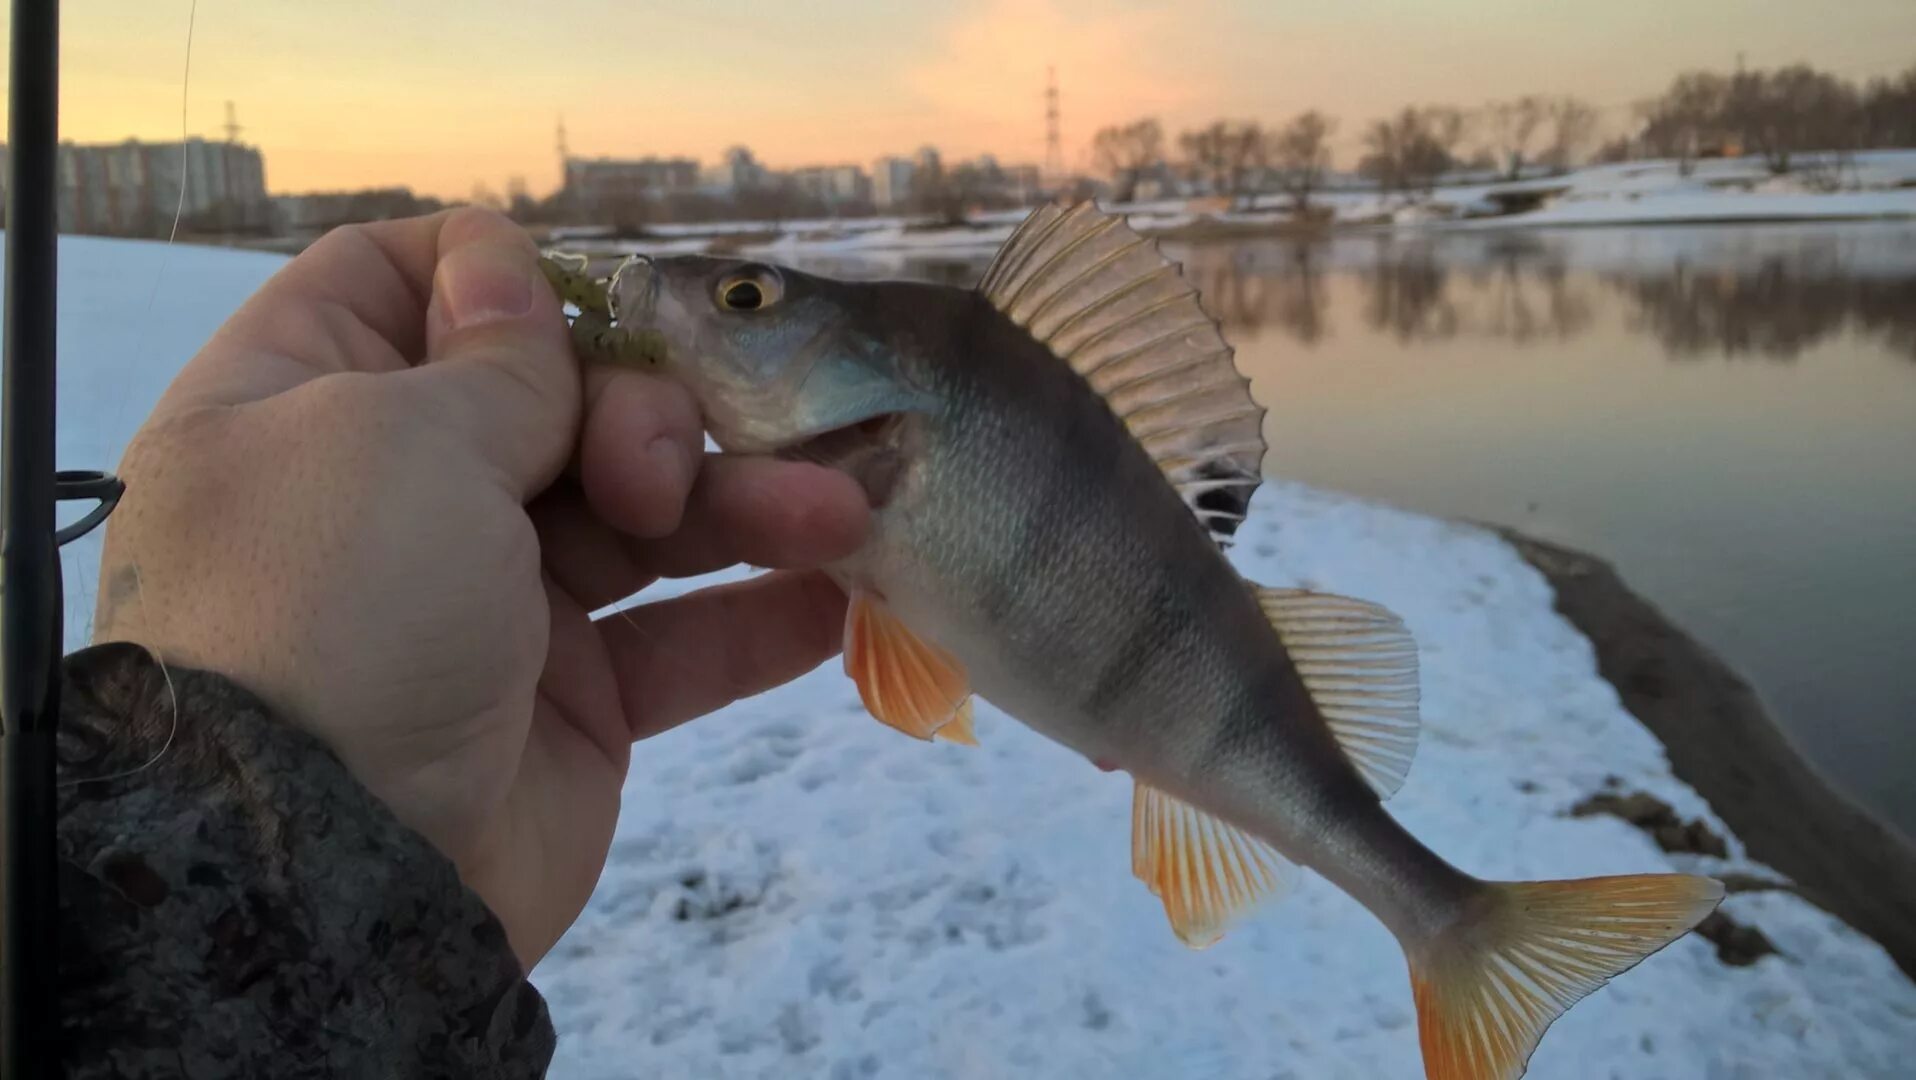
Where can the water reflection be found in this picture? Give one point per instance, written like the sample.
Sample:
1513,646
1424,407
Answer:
1766,293
1535,301
1242,294
1521,291
1409,299
1771,312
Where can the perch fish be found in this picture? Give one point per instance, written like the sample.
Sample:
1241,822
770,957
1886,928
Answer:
1056,461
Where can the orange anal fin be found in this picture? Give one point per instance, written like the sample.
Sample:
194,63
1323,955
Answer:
905,681
1208,873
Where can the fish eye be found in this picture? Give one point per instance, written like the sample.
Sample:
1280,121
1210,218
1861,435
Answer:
751,290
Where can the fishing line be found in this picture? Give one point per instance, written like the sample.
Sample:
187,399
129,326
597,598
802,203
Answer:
119,414
660,647
172,700
179,205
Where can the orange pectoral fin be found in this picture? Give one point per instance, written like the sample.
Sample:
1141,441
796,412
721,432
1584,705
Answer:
960,730
904,680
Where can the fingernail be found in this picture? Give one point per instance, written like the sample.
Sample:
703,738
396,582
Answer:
669,458
479,284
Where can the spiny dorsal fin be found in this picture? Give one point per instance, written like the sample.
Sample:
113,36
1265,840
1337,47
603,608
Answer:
1107,302
1208,873
1360,666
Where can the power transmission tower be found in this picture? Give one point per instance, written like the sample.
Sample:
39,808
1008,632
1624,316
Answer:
1053,145
233,128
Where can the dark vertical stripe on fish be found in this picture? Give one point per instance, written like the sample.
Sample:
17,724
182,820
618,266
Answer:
1132,662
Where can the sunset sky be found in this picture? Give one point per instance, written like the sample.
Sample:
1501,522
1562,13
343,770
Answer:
441,95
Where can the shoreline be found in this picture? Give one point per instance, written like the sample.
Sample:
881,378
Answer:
1722,742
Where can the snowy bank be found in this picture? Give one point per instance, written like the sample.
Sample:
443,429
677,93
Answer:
1876,184
1717,207
797,890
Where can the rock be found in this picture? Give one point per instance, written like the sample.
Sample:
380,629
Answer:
1736,944
1654,816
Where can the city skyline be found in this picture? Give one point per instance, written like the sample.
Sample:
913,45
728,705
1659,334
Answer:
359,96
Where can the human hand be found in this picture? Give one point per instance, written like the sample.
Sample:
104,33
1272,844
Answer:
356,503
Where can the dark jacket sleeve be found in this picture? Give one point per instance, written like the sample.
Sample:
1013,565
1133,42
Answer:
241,907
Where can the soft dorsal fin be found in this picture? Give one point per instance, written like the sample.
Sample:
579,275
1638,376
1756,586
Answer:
1107,302
1360,666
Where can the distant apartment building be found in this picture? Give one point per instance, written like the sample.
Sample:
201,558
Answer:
737,171
597,184
318,211
1024,181
834,185
891,181
135,188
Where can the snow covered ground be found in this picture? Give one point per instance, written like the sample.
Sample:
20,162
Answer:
798,891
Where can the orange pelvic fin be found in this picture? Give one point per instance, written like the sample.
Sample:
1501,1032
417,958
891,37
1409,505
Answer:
904,680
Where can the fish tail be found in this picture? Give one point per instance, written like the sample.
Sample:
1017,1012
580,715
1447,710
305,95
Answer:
1524,952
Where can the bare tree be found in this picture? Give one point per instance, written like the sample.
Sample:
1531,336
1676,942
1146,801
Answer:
1888,108
1384,145
1621,148
1126,152
1783,113
1510,127
1794,117
1302,155
1207,155
1445,127
1225,153
1572,126
1413,149
1687,118
1404,154
1249,146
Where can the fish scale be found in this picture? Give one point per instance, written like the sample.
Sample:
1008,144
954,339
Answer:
1054,462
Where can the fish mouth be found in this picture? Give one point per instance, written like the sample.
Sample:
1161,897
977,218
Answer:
847,440
870,451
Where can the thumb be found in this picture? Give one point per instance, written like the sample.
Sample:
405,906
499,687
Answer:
499,364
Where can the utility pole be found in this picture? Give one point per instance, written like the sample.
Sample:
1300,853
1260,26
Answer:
1053,145
231,156
565,178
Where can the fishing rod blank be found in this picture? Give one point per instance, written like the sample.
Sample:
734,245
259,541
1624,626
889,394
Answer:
30,587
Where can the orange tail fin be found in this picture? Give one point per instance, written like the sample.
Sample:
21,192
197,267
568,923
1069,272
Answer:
1488,986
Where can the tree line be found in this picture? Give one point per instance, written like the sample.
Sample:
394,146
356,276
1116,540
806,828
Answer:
1235,157
1781,114
1784,115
